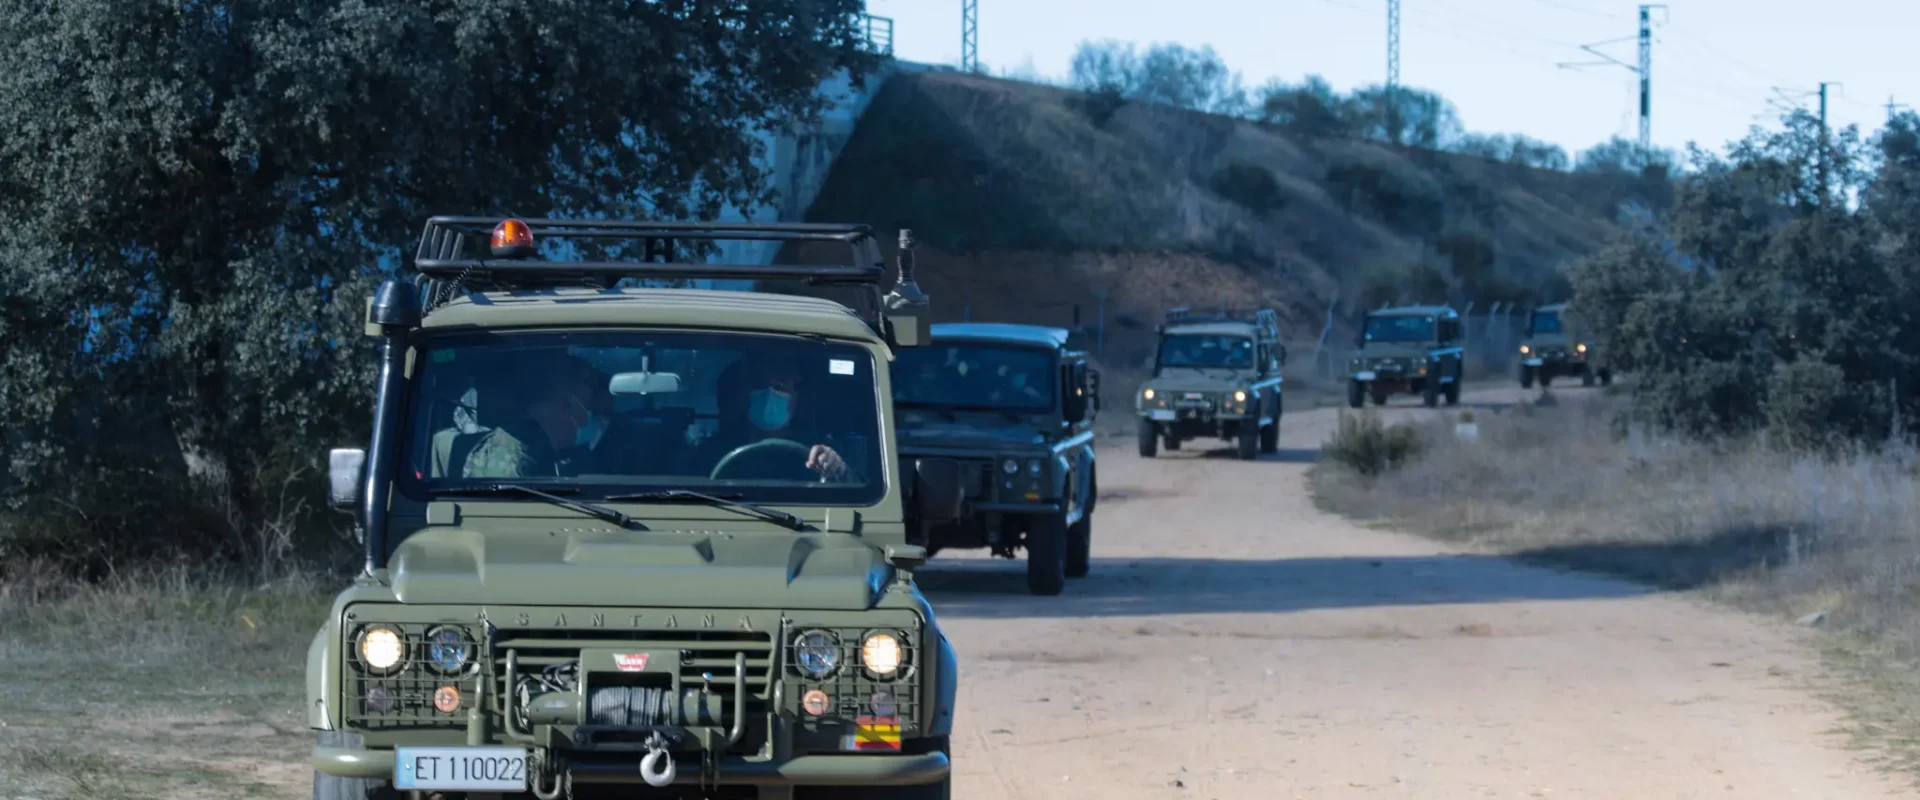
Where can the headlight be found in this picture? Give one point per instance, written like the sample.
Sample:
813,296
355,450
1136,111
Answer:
1524,350
880,654
381,648
1240,395
1147,393
1580,348
1033,467
816,653
1010,466
448,649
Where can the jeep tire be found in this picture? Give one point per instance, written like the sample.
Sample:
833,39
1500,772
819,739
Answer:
1586,377
1526,377
1430,391
334,787
1606,377
1546,379
1270,435
1247,444
1356,394
1080,534
1452,391
1379,397
1047,553
1149,436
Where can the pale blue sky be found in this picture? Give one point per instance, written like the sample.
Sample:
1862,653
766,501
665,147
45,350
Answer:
1714,61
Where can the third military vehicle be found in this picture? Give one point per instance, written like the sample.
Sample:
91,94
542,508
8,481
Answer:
643,540
1014,406
1412,349
1216,373
1557,344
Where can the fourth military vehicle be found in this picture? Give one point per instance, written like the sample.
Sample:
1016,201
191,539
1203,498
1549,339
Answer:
650,541
1412,349
1216,373
1557,344
1015,406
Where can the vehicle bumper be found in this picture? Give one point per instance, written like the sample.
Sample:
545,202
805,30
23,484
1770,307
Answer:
811,770
1017,508
1199,415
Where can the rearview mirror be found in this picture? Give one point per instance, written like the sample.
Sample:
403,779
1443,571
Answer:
345,467
627,383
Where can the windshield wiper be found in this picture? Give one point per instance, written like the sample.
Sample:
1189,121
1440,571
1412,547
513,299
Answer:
598,512
727,501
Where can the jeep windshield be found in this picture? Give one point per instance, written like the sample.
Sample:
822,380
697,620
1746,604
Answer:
1544,322
987,377
1205,350
1399,329
616,414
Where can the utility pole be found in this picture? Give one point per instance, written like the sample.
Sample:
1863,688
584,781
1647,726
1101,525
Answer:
1644,69
1894,108
970,35
1393,71
1825,153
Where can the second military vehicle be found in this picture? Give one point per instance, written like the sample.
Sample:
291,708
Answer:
1216,373
1557,344
1411,349
1015,407
619,536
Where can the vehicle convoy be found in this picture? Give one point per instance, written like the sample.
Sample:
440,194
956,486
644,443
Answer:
1216,373
651,541
1015,407
1557,344
1408,349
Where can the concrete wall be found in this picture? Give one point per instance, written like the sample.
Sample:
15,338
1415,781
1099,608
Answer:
799,163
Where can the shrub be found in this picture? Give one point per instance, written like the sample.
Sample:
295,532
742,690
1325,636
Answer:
1249,185
1367,446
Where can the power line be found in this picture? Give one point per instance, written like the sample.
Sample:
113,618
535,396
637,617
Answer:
1644,69
1893,107
970,35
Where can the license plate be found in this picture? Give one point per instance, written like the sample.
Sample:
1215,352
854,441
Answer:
1196,396
1534,362
1160,414
1363,376
460,769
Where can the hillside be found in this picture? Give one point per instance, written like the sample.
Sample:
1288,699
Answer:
1029,200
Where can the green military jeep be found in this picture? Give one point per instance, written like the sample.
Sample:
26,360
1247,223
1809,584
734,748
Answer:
1557,344
1014,406
1408,349
642,540
1216,373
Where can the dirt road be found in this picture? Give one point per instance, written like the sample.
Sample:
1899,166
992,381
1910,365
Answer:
1234,642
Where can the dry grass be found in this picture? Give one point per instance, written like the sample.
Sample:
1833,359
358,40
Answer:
1833,542
165,682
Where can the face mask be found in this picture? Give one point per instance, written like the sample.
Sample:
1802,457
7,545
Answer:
464,416
588,434
769,409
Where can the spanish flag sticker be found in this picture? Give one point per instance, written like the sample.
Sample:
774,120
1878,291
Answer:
875,733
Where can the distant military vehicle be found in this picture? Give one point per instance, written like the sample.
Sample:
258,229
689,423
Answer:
1015,407
1557,344
632,535
1408,349
1216,373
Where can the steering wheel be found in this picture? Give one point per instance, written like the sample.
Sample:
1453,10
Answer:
740,453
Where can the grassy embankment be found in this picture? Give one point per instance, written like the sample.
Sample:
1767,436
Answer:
1832,542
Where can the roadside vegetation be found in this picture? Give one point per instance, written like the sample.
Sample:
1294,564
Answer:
1760,453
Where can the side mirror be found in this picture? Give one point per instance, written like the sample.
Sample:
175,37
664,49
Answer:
345,467
937,491
907,557
909,329
1073,394
1281,350
1093,387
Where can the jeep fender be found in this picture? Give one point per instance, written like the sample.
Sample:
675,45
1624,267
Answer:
319,716
946,690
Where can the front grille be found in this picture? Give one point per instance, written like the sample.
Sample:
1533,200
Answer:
1195,400
851,688
404,696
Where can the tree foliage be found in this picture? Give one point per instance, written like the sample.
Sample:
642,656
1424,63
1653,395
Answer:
1165,73
200,195
1776,292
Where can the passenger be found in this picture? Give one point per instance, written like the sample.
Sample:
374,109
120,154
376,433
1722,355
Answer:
551,430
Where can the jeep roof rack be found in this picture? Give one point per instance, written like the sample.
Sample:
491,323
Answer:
1265,320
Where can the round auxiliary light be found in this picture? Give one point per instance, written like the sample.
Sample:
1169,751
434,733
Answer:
816,653
882,704
511,238
814,702
381,648
880,654
380,699
1033,466
446,699
448,649
1010,466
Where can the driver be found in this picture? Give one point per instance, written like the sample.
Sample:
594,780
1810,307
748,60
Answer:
759,399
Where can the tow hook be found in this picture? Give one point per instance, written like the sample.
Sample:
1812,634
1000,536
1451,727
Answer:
657,768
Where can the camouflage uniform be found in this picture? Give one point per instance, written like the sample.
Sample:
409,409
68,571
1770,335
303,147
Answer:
503,453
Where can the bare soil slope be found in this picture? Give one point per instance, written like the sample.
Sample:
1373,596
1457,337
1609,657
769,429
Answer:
1234,642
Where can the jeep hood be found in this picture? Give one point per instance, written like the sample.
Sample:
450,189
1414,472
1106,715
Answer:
585,566
1199,379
